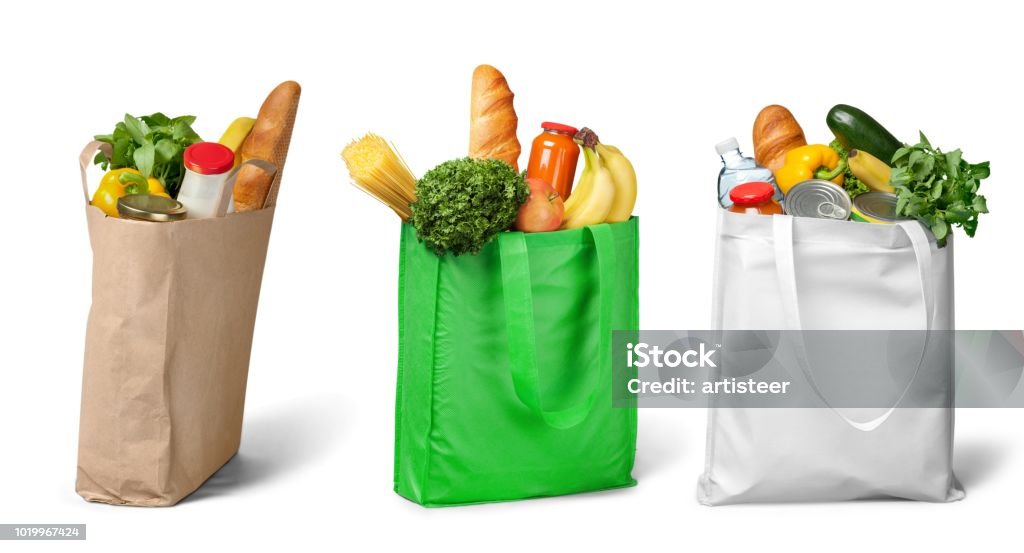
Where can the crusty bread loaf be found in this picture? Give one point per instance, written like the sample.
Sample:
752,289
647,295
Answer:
775,133
493,121
268,141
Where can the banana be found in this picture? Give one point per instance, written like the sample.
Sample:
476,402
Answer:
582,188
594,196
870,170
624,178
236,134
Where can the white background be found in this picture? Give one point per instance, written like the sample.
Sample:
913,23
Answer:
663,84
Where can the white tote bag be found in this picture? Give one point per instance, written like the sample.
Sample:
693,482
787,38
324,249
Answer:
780,272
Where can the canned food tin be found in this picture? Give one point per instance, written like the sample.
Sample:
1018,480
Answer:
820,199
875,207
147,207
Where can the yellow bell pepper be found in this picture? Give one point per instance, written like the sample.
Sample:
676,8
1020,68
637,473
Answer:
119,182
813,161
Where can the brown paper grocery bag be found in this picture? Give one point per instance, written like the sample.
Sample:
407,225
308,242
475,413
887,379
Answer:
167,351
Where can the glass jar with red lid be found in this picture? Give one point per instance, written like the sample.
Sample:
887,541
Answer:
553,157
207,165
754,197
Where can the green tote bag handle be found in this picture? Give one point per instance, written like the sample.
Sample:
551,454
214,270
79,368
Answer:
522,337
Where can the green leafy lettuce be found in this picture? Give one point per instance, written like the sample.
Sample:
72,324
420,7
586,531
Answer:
939,189
152,144
853,186
464,203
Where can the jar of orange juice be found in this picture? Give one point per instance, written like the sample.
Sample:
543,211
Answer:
754,197
553,157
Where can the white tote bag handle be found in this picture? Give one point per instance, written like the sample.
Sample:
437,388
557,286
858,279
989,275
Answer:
785,265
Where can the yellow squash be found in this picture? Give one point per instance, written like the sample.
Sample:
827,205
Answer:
870,170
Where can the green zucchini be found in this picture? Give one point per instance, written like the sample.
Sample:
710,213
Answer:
857,130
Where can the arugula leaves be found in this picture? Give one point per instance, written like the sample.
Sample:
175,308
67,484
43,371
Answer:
939,189
154,144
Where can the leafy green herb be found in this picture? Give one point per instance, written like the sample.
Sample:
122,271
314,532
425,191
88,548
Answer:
939,189
153,144
464,203
853,186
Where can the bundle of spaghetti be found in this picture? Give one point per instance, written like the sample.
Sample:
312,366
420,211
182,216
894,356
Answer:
379,171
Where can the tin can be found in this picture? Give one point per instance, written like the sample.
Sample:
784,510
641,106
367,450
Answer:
147,207
875,207
820,199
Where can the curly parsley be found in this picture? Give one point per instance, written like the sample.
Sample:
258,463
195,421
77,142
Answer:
464,203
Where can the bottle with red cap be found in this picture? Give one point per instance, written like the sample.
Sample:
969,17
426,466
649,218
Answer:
553,157
207,165
754,197
737,169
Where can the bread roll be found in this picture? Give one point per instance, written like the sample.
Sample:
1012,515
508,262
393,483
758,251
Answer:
775,133
268,141
493,121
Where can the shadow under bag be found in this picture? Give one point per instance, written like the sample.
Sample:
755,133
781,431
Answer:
780,272
504,370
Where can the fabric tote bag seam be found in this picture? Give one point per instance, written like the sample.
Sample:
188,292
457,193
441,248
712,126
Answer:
634,414
632,417
399,388
429,453
754,234
871,248
880,230
951,484
716,324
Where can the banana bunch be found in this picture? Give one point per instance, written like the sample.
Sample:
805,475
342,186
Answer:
606,189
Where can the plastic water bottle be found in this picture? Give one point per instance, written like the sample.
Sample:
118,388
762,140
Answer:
737,169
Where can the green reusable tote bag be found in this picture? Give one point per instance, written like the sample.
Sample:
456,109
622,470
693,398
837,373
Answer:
504,368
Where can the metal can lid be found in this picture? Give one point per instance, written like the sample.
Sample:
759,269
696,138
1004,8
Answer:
149,207
821,199
877,207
